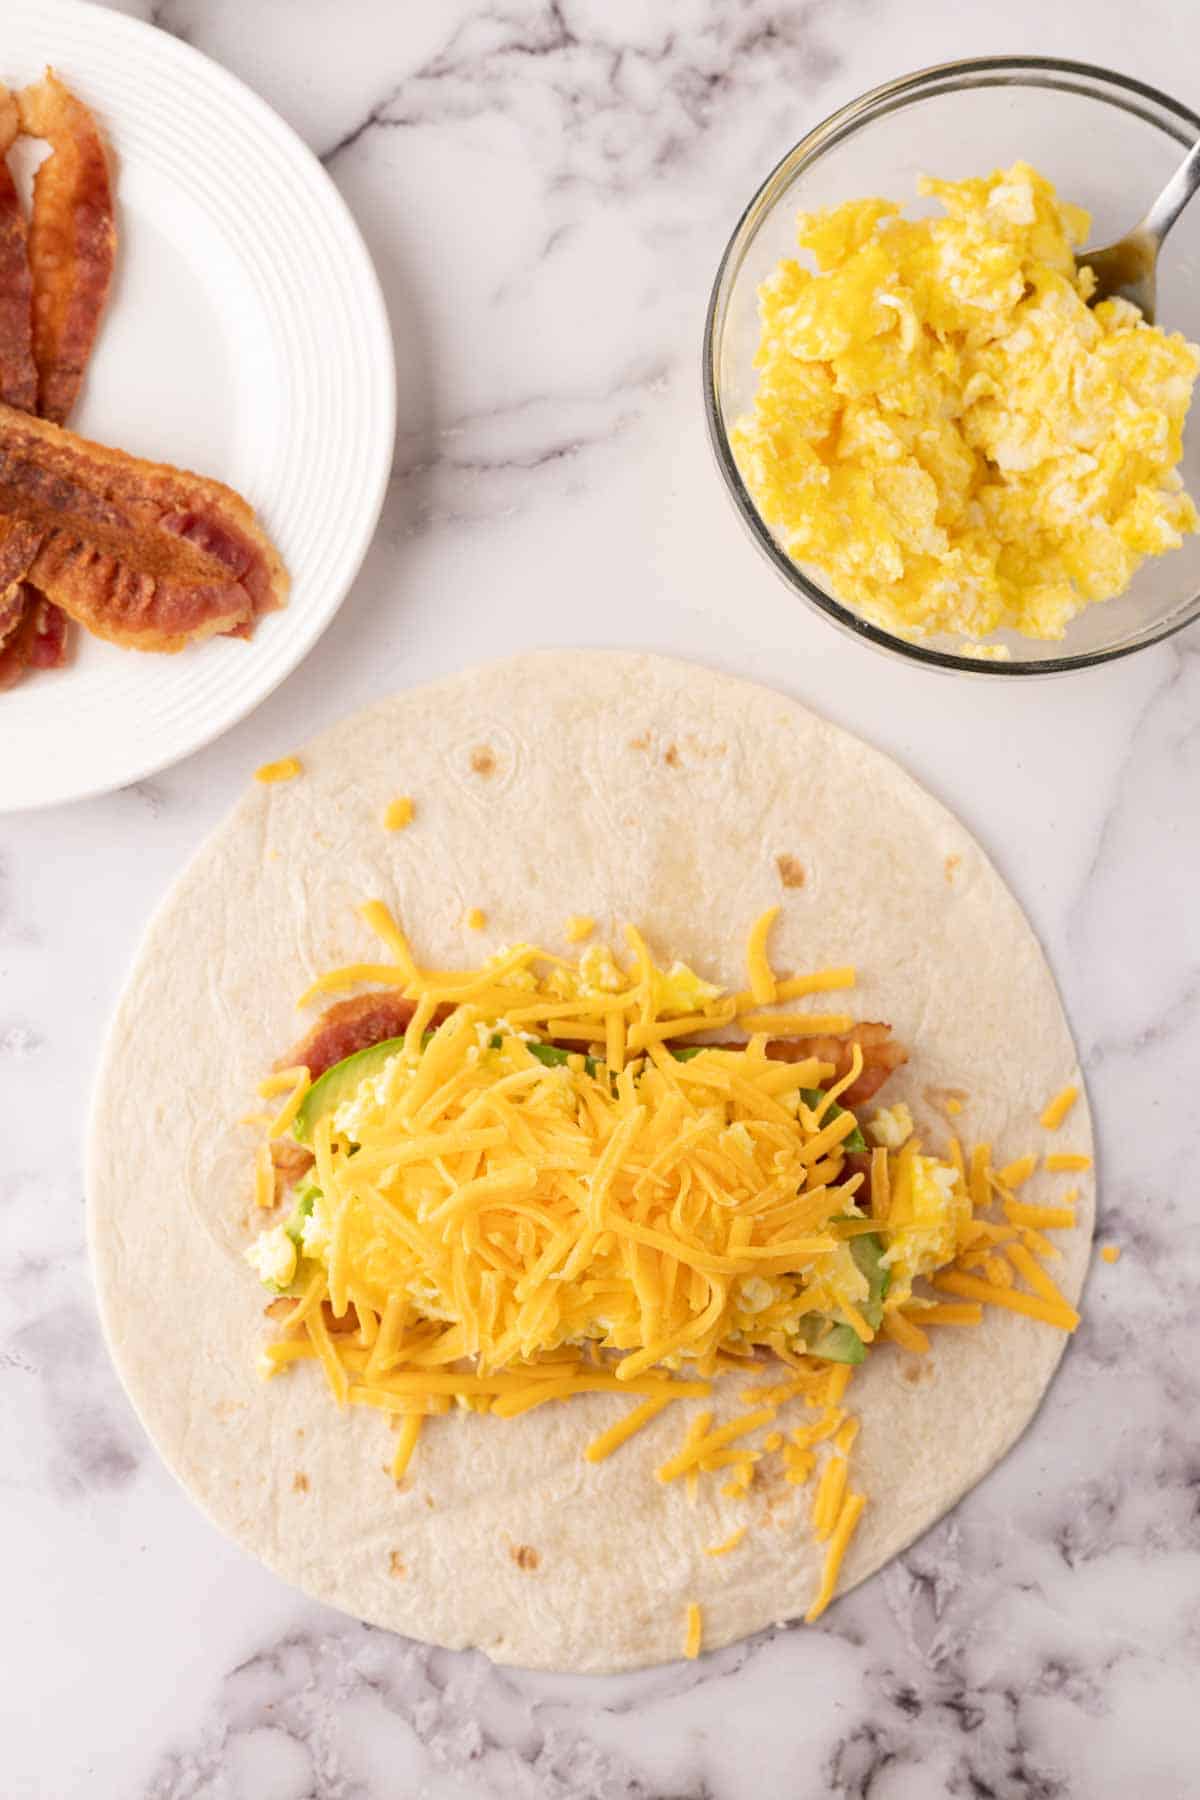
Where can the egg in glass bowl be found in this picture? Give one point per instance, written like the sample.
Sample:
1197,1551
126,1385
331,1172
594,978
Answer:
925,427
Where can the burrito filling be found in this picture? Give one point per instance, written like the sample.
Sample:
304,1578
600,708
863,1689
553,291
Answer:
496,1190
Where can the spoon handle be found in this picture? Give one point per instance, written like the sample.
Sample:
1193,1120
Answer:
1175,196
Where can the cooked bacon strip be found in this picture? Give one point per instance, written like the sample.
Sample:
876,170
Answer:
18,371
18,383
54,281
45,630
12,607
39,640
283,1308
291,1160
371,1018
141,553
72,240
19,544
881,1057
349,1026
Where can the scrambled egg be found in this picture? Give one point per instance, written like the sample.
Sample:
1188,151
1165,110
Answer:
273,1255
929,1212
676,991
947,432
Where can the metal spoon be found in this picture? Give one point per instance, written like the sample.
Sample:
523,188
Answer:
1125,270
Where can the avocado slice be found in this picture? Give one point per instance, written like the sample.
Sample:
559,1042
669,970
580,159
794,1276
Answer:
554,1056
838,1344
867,1252
301,1210
813,1097
338,1083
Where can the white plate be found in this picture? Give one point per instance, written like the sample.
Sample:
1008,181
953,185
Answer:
246,337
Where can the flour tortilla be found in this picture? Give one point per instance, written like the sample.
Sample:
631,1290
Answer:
630,788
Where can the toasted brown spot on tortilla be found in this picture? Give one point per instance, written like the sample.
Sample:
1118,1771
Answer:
791,872
951,865
524,1555
671,756
397,1565
641,742
483,760
916,1370
300,1482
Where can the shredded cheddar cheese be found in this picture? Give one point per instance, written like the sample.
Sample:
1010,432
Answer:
1039,1218
286,769
1014,1174
694,1634
796,987
476,919
1027,1265
902,1329
727,1544
1110,1252
1060,1161
796,1024
1056,1110
398,813
620,1433
1034,1307
285,1116
763,985
264,1178
839,1538
578,927
406,1443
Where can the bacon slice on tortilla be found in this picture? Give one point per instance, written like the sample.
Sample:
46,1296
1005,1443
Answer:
369,1019
143,554
18,371
351,1025
72,240
881,1054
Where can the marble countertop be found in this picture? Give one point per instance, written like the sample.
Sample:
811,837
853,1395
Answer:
546,189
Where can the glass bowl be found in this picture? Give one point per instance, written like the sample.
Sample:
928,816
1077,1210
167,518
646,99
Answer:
1109,144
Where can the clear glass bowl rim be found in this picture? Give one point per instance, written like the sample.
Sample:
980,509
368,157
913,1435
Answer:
1088,79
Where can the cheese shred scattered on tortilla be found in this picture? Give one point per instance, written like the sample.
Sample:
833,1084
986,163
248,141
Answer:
843,1531
1056,1110
406,1443
694,1633
1060,1161
727,1544
286,769
763,985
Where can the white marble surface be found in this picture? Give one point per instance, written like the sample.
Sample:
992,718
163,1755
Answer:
546,189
